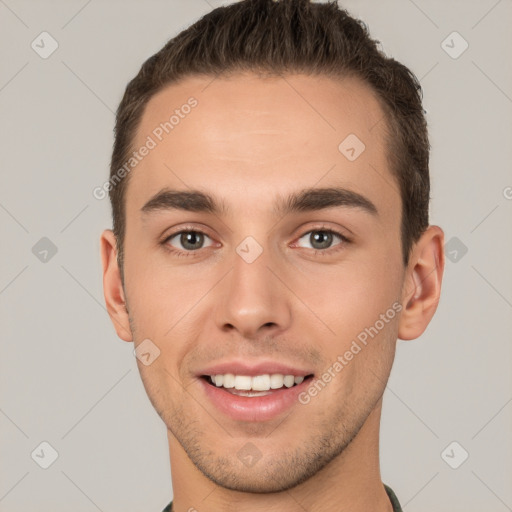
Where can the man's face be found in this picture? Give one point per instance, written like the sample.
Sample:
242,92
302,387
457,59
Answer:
256,284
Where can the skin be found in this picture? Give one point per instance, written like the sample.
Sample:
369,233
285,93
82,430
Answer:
248,141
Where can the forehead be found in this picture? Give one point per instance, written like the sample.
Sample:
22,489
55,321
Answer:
245,137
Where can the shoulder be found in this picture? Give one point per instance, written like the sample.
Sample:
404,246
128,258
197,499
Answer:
392,497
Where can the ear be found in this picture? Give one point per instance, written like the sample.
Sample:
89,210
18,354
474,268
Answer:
112,286
422,284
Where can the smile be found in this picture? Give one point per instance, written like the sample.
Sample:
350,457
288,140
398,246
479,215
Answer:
254,398
264,382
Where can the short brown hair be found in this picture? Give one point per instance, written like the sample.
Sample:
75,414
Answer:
275,37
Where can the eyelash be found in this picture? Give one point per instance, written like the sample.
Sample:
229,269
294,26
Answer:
317,252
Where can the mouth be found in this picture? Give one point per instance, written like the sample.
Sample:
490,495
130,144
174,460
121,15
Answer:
254,398
257,385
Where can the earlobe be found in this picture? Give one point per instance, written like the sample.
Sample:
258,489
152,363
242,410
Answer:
112,286
422,285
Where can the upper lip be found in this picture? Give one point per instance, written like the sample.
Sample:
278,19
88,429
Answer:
239,367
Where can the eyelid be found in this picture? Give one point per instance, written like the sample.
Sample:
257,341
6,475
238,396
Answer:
322,226
186,229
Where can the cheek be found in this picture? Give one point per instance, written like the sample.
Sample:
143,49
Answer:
149,294
350,298
162,297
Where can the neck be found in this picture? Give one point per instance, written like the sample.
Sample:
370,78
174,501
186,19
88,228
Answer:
350,482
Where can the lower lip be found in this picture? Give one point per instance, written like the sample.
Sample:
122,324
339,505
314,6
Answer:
256,408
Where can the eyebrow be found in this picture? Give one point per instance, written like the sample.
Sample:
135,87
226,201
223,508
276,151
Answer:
311,199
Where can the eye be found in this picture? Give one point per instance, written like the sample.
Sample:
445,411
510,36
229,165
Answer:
322,239
189,240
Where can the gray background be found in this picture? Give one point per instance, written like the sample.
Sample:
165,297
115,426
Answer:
68,380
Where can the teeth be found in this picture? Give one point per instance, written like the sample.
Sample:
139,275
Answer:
257,383
228,380
243,382
276,381
260,383
289,381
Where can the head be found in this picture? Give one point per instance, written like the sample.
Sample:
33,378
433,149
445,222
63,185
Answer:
332,44
297,165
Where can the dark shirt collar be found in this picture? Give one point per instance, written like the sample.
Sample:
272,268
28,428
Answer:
389,491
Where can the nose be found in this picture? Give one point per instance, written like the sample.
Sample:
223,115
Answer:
252,301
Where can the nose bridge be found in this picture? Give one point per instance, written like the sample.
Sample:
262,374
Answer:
252,297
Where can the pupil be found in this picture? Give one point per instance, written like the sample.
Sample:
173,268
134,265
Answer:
193,238
321,237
